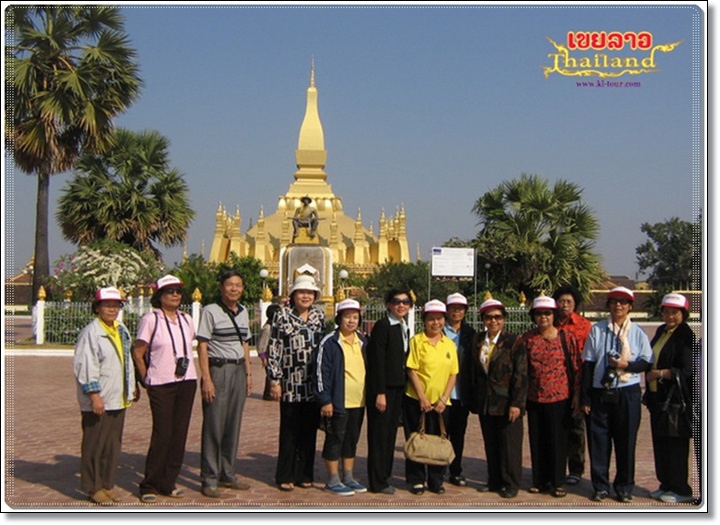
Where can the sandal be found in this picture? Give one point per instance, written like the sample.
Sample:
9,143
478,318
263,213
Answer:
558,493
148,498
177,493
306,485
287,487
534,490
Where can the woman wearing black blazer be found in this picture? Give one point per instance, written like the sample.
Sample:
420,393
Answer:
673,346
385,386
494,380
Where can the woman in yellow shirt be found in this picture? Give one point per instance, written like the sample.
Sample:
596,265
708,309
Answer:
432,368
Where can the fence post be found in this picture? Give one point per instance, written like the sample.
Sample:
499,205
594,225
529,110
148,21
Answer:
196,307
39,317
411,320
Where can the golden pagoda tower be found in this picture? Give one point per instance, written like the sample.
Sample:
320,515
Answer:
351,243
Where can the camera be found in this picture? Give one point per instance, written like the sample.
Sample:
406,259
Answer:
614,355
609,379
181,366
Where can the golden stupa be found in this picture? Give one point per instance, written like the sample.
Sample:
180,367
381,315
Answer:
351,243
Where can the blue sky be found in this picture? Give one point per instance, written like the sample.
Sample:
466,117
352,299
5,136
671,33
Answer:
429,107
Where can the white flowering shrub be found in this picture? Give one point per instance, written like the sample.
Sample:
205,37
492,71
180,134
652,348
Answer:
101,264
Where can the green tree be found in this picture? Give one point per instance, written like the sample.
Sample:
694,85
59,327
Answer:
669,253
195,272
69,71
127,194
536,237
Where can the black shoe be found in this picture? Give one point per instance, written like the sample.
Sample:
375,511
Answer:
623,497
417,489
507,492
438,490
599,495
458,480
483,488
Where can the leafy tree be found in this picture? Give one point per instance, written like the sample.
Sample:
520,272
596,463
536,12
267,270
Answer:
414,277
536,237
128,194
669,253
69,71
100,264
195,272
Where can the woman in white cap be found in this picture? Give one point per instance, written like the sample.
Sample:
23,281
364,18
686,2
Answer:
163,356
295,335
432,368
497,373
105,388
617,352
340,393
554,367
671,377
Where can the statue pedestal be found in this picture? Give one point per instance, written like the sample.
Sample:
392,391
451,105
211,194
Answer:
310,259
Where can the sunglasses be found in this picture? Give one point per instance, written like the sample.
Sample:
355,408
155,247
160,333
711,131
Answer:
620,301
543,313
171,291
497,317
396,301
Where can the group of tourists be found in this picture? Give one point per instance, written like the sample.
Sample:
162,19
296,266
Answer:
574,380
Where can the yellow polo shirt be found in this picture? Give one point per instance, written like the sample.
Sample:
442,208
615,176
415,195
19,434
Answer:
354,372
433,365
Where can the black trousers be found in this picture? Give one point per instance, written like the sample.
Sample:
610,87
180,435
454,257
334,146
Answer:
576,446
503,451
548,427
457,425
381,436
298,432
614,426
171,406
671,455
416,473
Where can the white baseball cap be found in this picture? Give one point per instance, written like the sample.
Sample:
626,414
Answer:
348,304
620,292
109,294
675,300
456,298
168,280
491,304
434,306
544,302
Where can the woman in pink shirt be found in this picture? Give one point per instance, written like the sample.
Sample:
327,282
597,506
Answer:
164,359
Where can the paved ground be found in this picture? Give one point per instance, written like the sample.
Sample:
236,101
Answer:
42,447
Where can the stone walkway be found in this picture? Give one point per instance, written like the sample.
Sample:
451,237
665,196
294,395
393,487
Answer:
42,448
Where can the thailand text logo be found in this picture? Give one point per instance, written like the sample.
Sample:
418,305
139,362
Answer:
598,53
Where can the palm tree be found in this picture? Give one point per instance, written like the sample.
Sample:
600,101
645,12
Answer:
69,72
128,194
537,238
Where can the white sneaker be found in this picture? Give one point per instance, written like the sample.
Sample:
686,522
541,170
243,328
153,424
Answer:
671,497
657,493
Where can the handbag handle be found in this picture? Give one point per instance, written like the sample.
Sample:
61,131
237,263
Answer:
421,428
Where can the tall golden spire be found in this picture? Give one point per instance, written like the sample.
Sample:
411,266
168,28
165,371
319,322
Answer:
311,155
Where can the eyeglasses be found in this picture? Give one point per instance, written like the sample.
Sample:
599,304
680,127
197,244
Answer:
171,291
566,301
397,301
619,301
496,317
543,313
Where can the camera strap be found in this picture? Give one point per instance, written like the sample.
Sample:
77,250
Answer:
182,333
231,315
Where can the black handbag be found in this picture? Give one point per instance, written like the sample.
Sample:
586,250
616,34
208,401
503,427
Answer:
671,417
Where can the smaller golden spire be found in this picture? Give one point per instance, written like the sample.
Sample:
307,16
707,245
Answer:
197,295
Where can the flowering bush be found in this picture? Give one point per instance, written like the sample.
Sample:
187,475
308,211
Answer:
101,264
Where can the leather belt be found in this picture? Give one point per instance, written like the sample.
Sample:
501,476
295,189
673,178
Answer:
220,361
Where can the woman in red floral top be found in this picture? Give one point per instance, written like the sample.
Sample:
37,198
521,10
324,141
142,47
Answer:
553,393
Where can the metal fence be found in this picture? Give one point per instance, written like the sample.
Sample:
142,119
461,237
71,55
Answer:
61,322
